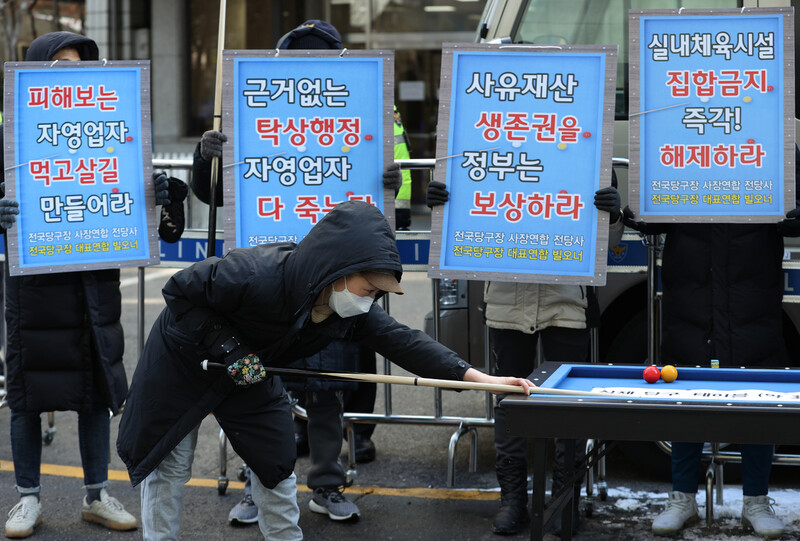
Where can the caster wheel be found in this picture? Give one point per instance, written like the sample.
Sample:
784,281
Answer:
222,486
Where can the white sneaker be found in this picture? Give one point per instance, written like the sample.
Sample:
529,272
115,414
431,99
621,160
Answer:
24,517
681,511
757,513
108,512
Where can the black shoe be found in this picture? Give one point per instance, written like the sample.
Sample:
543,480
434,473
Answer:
365,449
301,443
511,517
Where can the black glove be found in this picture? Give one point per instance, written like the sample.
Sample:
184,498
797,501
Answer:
402,219
629,219
211,144
393,177
437,194
790,227
173,219
8,212
161,187
247,370
608,200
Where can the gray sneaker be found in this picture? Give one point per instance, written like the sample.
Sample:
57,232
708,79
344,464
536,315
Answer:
244,512
108,512
757,512
330,501
681,511
24,517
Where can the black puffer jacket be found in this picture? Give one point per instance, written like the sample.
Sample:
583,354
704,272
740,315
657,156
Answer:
261,299
723,289
65,340
723,286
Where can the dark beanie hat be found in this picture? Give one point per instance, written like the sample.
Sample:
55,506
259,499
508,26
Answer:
312,34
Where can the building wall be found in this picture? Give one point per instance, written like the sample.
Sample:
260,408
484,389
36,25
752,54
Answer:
168,54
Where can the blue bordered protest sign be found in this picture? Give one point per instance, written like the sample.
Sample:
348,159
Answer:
306,131
712,115
524,140
78,160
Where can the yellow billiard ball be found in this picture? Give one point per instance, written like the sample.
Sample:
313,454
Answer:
669,373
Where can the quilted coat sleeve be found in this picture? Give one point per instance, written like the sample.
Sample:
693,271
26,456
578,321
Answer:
409,348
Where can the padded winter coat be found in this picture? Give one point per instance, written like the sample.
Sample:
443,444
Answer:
65,340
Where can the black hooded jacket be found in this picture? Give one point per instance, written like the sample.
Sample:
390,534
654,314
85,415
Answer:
259,300
65,340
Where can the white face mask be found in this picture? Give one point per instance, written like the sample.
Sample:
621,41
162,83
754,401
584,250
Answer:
348,304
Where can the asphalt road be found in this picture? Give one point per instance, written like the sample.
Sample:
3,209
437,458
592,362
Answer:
402,495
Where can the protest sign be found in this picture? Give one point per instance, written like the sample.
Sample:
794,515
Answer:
306,130
524,140
712,115
78,159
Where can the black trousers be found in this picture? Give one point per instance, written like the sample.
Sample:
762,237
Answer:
514,353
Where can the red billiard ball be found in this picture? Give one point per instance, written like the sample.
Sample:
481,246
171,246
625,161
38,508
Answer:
651,374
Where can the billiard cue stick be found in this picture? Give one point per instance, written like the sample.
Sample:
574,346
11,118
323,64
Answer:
216,126
412,380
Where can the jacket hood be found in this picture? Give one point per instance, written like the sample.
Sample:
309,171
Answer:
353,237
44,47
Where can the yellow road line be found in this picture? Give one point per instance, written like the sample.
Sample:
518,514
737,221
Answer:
427,493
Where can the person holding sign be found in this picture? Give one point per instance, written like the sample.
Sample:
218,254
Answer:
520,316
263,306
722,294
65,346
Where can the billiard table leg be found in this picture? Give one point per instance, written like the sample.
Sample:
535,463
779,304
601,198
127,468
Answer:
539,488
569,472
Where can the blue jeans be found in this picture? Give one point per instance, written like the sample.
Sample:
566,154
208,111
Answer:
26,448
756,467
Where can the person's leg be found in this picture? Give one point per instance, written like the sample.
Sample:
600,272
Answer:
26,450
162,492
326,476
513,354
756,467
325,439
681,507
572,346
93,439
362,400
686,457
757,509
278,513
